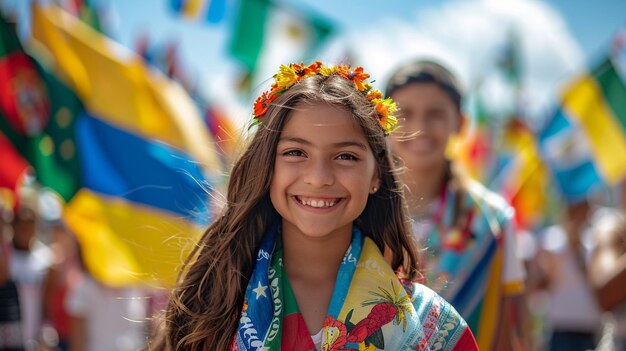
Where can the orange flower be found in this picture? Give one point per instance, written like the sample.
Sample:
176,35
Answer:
359,77
385,107
288,75
313,69
343,71
374,94
262,102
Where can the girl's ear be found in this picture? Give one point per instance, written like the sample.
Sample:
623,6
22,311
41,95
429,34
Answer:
375,184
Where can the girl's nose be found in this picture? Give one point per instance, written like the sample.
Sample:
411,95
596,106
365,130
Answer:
319,174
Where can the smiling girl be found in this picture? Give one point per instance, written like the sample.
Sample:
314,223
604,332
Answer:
295,260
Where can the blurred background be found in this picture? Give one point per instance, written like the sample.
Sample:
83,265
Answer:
119,120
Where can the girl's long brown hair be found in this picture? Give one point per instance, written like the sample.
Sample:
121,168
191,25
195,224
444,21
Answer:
204,309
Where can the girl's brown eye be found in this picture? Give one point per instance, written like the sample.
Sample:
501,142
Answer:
293,153
349,157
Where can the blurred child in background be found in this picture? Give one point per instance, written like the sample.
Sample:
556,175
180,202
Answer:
467,231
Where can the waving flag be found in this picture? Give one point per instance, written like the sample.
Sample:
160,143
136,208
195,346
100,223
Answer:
584,142
524,180
266,33
37,114
146,158
14,166
210,10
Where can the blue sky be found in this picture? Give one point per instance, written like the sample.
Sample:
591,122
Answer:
591,23
560,37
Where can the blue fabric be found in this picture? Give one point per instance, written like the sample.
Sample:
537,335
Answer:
118,163
572,166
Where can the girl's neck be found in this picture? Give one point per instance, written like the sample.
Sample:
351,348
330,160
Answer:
424,186
314,259
312,265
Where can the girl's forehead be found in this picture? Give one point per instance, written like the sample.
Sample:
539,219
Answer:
322,120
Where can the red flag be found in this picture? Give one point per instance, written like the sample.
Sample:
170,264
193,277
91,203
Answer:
13,165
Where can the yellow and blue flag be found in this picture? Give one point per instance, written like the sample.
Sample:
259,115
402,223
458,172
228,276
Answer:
146,158
584,142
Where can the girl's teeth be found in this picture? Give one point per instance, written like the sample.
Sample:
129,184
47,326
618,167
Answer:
318,203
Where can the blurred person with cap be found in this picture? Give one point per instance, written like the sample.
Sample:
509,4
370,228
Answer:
470,257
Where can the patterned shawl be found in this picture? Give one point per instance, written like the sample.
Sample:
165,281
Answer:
370,308
471,258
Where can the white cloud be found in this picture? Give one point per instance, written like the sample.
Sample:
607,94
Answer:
468,35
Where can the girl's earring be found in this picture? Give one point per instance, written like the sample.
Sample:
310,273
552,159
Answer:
374,189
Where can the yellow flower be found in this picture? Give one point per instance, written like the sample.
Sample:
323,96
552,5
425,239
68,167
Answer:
389,123
386,109
286,77
328,70
374,95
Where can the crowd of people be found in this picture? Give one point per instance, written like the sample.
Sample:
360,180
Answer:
360,234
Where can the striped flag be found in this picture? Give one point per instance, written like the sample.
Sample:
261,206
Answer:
146,158
267,33
474,148
211,11
524,180
223,131
37,114
13,170
584,143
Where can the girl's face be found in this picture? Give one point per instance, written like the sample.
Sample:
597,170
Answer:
427,119
324,171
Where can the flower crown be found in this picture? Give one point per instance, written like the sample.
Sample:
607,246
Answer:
290,75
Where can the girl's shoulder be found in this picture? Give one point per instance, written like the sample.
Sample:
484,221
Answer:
441,322
428,303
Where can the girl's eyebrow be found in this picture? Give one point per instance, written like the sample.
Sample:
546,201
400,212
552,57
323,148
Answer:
346,143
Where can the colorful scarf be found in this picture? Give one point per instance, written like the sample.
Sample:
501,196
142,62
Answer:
370,308
467,251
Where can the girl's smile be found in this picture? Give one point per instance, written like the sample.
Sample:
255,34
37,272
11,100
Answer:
317,202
